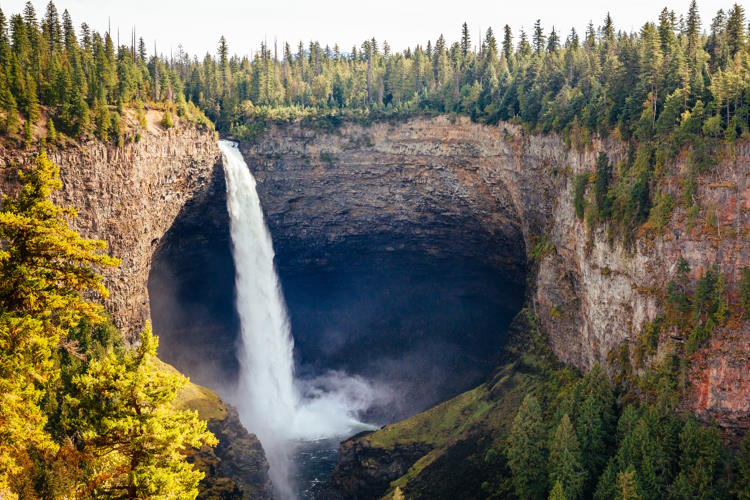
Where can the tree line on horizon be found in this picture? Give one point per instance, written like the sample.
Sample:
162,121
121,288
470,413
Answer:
642,83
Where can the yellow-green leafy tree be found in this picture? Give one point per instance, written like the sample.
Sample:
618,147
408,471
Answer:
46,271
135,438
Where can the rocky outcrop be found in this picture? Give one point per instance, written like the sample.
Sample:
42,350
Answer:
365,472
129,197
451,187
237,467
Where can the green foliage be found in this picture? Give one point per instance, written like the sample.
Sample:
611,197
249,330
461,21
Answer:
697,312
527,456
166,120
627,486
102,120
51,132
565,462
701,464
557,492
140,114
709,308
742,482
661,213
648,341
77,80
647,85
45,269
81,416
745,290
580,184
712,126
138,438
648,443
28,135
601,186
116,128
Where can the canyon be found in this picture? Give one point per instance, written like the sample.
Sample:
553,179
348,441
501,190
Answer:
489,208
446,186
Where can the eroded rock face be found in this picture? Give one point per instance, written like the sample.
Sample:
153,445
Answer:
237,467
593,294
129,197
451,187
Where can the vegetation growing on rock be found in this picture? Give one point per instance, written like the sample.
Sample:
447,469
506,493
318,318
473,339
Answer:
81,416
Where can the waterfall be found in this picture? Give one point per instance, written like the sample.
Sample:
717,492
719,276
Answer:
277,408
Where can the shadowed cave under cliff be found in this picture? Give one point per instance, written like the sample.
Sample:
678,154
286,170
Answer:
420,311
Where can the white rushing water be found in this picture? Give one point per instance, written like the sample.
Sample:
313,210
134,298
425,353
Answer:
277,408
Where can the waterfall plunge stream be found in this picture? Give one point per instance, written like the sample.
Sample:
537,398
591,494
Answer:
278,408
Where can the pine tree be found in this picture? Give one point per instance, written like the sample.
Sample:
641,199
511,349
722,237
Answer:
736,29
692,30
572,42
465,40
137,438
524,48
590,38
553,43
116,128
507,43
166,120
666,30
557,492
69,32
742,483
28,134
538,38
608,31
142,50
526,452
12,120
51,132
565,464
701,463
102,120
627,486
51,29
651,55
490,45
32,101
46,272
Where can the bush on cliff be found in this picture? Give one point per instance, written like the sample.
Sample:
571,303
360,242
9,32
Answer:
80,416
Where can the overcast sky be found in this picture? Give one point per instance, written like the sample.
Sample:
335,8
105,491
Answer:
197,24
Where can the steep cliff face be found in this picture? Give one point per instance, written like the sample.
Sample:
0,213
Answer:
129,197
593,294
451,187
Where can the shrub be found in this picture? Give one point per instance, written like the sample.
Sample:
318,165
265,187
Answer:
579,191
166,120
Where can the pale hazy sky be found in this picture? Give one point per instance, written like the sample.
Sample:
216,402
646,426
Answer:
197,25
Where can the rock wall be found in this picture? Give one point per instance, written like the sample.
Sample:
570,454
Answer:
129,197
448,186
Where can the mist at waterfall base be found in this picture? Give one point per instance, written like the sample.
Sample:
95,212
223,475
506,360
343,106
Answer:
281,410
